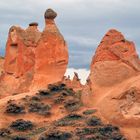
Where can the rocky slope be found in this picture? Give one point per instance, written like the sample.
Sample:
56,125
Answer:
56,113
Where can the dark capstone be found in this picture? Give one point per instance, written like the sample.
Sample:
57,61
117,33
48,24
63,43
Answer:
56,135
14,45
21,125
33,24
50,14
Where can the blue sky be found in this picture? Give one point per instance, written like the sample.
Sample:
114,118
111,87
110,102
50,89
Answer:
83,23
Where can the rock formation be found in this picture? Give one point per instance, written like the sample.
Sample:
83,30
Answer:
51,54
21,44
115,60
34,59
19,60
75,83
114,82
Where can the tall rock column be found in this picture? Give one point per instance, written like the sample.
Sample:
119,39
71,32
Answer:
51,54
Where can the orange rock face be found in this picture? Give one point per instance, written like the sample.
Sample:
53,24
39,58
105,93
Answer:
114,47
20,57
1,64
115,60
34,59
51,54
114,83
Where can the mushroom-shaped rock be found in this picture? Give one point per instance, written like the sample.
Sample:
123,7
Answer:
114,61
50,14
51,54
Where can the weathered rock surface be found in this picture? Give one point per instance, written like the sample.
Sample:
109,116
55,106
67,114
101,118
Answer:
51,54
1,64
114,61
34,59
114,82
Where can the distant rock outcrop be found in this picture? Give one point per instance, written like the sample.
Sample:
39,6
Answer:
75,83
34,59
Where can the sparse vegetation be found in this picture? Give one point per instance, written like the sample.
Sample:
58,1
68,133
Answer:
56,87
4,132
39,108
94,121
99,133
35,98
43,93
21,125
77,125
56,135
19,138
15,109
59,99
72,105
69,120
89,112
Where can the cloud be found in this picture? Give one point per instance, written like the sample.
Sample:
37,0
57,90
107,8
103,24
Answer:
82,73
83,23
82,40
